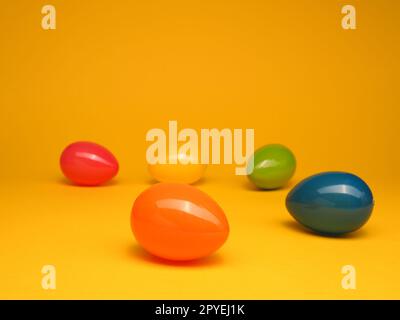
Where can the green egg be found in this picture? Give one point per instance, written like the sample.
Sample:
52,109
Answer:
274,165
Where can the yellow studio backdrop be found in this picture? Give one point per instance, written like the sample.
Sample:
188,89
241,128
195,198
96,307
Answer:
112,70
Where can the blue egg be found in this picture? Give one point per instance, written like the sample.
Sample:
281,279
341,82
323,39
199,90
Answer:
331,203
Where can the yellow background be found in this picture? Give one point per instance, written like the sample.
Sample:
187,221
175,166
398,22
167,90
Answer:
114,69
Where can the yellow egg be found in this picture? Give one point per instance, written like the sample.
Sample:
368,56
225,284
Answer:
179,172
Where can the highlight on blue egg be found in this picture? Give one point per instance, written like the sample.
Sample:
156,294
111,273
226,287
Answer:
331,203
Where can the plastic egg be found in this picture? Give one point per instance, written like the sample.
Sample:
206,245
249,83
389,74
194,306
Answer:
88,164
178,222
185,172
331,203
274,165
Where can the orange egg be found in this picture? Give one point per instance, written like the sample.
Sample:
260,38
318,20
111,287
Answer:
178,222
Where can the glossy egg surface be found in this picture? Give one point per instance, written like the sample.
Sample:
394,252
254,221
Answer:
274,165
178,169
178,222
88,163
331,203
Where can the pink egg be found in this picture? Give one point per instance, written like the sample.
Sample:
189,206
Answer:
88,163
